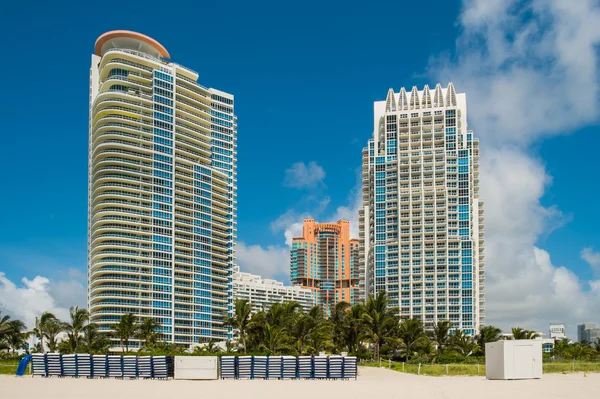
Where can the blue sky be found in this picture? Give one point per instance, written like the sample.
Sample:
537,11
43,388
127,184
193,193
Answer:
304,76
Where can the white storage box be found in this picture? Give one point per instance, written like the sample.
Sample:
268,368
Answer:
196,367
513,359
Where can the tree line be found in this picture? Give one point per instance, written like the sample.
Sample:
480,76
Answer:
368,330
80,335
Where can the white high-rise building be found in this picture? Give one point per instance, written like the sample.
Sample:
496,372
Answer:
262,293
162,192
421,225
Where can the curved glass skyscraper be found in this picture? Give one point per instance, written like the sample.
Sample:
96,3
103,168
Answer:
162,192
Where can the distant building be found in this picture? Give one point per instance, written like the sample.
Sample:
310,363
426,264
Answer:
325,260
588,332
558,331
592,335
262,293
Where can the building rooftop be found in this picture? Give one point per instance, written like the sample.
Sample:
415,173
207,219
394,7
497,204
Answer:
126,39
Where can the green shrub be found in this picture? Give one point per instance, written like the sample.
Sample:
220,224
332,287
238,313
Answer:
421,359
450,357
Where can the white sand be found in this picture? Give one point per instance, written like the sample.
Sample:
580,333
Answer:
372,383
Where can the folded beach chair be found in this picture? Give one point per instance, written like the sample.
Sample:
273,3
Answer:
145,367
289,367
228,367
130,366
244,367
54,364
115,366
38,365
160,367
84,365
335,367
275,367
69,366
350,367
99,366
320,367
305,367
259,368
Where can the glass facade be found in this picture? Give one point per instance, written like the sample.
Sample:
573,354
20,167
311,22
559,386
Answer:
421,225
162,194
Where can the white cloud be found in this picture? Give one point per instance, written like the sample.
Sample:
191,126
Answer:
530,70
33,297
291,221
592,258
523,287
302,175
70,291
270,262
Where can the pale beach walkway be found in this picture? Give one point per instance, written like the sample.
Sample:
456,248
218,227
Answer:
372,383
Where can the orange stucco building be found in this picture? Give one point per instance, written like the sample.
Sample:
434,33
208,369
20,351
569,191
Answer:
325,259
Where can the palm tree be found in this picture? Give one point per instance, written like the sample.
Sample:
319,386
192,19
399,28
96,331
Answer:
52,328
488,334
283,314
256,330
275,339
320,335
378,321
229,346
212,347
79,317
561,348
16,341
93,341
70,344
427,349
125,329
300,333
240,320
41,324
338,319
582,351
353,328
412,334
441,334
519,333
13,335
146,332
463,343
4,326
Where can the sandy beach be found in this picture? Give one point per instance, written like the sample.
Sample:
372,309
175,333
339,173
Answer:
372,383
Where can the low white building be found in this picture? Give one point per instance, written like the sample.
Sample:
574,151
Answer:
558,331
262,293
